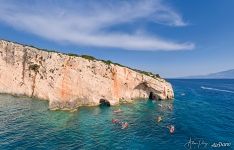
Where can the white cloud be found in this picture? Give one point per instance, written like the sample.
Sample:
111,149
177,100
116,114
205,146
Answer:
90,22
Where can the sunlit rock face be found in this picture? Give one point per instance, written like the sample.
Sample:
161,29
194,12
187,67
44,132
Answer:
68,82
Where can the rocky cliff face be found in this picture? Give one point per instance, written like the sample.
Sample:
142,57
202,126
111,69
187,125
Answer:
68,82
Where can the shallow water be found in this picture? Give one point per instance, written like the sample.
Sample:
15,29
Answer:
205,113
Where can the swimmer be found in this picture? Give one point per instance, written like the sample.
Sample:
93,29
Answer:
118,111
160,105
118,122
170,107
159,119
171,128
115,121
124,125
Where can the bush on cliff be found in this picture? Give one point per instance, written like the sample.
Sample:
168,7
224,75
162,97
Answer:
34,67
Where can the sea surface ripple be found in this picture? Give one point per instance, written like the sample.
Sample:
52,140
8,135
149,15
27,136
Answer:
197,113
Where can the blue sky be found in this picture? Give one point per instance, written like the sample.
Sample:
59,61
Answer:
171,37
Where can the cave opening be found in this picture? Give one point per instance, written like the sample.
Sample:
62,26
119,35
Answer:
153,96
104,102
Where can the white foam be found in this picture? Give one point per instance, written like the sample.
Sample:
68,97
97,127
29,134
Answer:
214,89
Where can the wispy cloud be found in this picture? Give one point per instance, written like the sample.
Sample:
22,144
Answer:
91,22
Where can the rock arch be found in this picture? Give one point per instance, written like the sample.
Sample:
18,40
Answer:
143,90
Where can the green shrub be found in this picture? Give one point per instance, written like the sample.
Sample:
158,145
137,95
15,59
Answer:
71,54
158,76
34,67
108,62
88,57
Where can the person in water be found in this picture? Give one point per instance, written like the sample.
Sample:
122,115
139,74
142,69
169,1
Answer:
170,107
115,121
159,119
171,128
160,105
123,124
118,111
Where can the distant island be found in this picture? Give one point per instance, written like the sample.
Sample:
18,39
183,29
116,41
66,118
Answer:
228,74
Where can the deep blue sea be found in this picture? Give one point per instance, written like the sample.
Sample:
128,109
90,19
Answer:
203,112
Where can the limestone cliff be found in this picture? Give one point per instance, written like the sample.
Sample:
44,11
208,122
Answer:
68,81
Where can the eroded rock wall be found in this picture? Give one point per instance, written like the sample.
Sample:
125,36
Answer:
69,81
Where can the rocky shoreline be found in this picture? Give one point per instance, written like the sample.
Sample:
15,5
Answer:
68,81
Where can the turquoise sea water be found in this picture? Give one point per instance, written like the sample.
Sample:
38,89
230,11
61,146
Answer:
203,111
